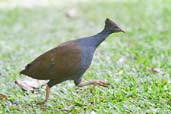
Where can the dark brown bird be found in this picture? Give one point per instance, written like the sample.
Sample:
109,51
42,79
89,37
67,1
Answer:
70,60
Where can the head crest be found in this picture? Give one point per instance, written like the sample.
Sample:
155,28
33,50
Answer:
112,26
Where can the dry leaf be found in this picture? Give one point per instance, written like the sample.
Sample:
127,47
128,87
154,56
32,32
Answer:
3,97
92,112
24,85
30,84
122,60
72,13
68,108
155,70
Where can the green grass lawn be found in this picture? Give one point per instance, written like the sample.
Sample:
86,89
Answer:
26,31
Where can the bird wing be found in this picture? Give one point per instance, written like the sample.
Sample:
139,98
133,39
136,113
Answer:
59,63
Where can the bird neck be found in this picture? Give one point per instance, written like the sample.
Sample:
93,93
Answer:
95,40
100,37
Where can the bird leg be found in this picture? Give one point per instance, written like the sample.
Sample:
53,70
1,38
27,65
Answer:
94,83
47,95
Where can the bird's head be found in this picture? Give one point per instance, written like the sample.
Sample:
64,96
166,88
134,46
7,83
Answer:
112,26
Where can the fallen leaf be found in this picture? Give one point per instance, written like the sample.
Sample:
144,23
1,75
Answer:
72,13
155,70
30,84
24,85
3,97
122,60
92,112
68,108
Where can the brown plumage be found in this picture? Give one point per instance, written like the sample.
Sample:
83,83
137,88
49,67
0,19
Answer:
56,64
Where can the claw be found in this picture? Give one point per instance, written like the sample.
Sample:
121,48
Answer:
102,83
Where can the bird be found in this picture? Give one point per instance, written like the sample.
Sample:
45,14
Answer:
70,60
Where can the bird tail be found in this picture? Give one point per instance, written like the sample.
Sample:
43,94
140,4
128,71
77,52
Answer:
22,72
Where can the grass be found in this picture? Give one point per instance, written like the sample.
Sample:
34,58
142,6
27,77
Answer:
26,31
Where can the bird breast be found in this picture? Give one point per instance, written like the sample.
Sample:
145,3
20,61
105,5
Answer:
86,57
